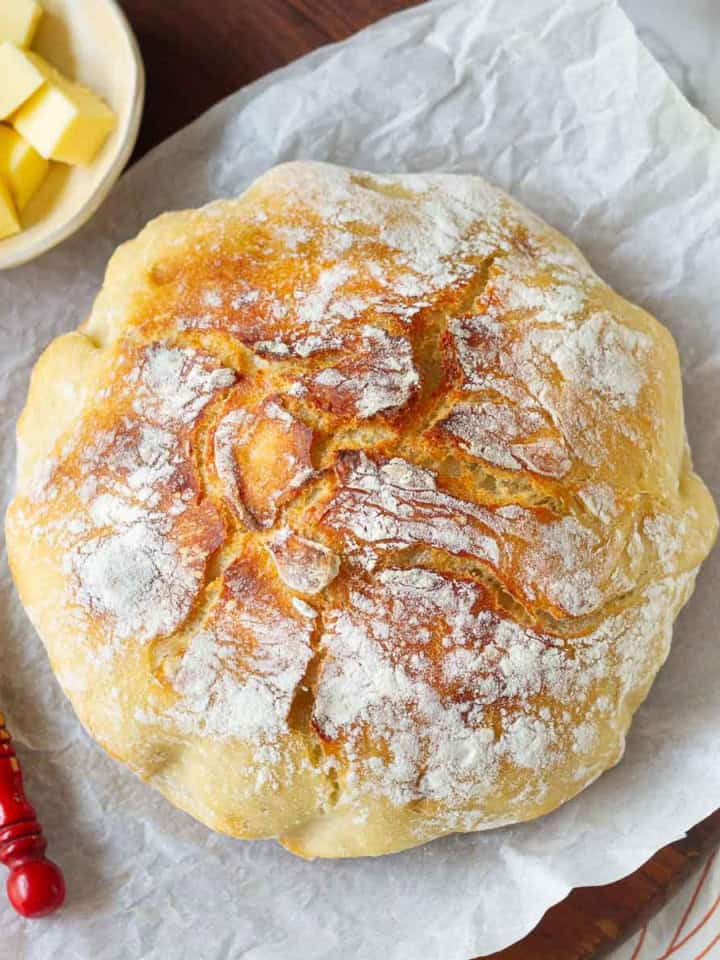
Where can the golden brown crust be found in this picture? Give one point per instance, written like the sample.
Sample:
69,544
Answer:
363,513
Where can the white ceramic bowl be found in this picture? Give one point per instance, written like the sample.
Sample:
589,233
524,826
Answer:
90,41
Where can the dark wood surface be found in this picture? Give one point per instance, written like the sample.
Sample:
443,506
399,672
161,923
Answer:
198,51
589,923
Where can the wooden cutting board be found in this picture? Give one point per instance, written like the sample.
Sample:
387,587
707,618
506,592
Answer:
198,51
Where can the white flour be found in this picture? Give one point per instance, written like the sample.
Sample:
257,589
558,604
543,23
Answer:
377,677
379,375
131,542
241,669
508,436
555,561
603,355
427,683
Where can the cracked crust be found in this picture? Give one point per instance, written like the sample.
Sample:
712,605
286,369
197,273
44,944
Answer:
358,512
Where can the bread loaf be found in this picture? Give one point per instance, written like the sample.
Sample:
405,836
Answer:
358,512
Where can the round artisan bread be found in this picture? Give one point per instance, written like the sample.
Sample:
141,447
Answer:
358,512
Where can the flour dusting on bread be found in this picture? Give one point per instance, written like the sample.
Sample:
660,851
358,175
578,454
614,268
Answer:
379,519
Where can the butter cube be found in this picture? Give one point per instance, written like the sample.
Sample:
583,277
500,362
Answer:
19,20
19,78
21,166
63,120
9,223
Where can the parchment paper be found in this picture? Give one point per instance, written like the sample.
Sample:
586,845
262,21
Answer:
559,103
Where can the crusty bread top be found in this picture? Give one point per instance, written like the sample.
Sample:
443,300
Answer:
369,486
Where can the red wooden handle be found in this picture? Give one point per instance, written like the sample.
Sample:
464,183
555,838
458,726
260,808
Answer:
35,885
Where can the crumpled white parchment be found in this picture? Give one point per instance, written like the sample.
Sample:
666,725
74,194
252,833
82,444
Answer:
559,103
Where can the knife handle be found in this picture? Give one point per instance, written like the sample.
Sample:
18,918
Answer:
35,885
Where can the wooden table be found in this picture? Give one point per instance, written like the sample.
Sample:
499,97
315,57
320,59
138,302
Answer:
198,51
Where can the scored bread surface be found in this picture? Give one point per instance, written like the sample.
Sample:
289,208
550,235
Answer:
359,511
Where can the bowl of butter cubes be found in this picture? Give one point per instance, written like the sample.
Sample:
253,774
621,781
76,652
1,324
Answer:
71,95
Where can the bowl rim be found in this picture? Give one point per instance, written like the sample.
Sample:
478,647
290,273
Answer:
47,241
